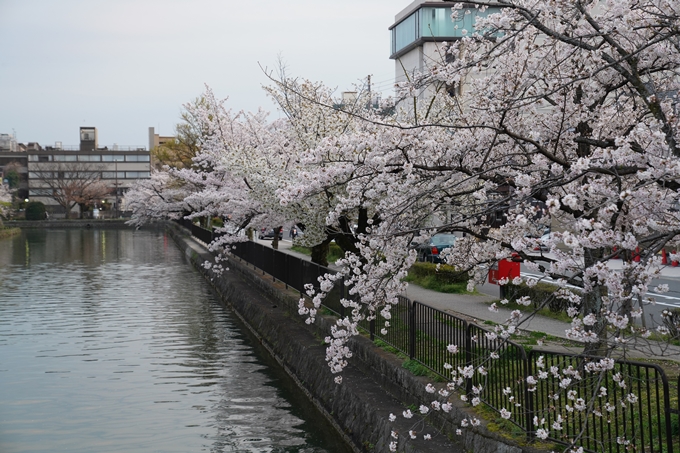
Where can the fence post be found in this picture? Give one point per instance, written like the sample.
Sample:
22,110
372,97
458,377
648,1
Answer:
287,266
667,409
302,267
412,329
528,396
273,264
371,329
468,358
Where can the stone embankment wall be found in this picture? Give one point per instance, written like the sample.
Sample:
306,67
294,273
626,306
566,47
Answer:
374,384
72,223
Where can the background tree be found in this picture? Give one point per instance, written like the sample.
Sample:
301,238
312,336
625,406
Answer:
5,202
35,210
92,195
12,174
179,152
71,183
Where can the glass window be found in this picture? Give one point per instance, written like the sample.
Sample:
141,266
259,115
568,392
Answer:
113,158
136,174
89,158
405,33
112,175
65,158
40,192
39,174
136,158
437,22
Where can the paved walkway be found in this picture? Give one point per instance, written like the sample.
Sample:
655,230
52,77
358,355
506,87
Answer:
475,307
471,306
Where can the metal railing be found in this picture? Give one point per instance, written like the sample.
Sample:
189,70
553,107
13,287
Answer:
615,424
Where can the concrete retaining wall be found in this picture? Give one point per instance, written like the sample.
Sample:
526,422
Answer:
71,223
374,385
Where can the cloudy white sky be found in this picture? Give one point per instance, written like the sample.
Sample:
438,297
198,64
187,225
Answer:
125,65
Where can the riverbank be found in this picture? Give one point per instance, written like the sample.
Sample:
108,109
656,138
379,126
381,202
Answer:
374,384
69,223
9,232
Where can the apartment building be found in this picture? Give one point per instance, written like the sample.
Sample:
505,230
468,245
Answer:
54,169
418,32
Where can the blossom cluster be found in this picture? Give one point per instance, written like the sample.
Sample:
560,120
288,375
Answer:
565,115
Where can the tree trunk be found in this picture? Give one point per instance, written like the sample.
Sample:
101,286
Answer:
320,253
275,241
592,303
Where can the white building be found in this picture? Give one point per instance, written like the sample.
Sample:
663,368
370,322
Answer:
51,168
418,31
8,143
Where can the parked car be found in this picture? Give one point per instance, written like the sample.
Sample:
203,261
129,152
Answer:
430,251
269,233
542,241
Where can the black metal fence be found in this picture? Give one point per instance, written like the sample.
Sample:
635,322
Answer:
637,412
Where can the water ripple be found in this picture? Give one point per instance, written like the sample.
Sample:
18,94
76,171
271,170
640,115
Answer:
110,342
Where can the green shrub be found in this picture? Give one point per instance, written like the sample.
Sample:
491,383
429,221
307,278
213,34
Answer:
538,294
445,274
334,252
446,279
35,210
217,222
416,368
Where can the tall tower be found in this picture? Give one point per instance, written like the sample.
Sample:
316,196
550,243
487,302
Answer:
88,138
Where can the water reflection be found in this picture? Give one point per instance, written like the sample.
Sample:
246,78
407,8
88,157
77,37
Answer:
109,341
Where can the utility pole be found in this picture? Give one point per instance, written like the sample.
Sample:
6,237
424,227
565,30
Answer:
370,101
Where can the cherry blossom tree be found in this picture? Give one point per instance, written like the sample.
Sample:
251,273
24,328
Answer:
570,105
241,163
314,114
5,201
158,198
564,107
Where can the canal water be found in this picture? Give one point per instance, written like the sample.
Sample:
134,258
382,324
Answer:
111,342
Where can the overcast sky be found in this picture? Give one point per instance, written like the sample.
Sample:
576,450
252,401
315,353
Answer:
125,65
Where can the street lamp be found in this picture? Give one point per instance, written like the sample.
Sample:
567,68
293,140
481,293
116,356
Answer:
115,203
